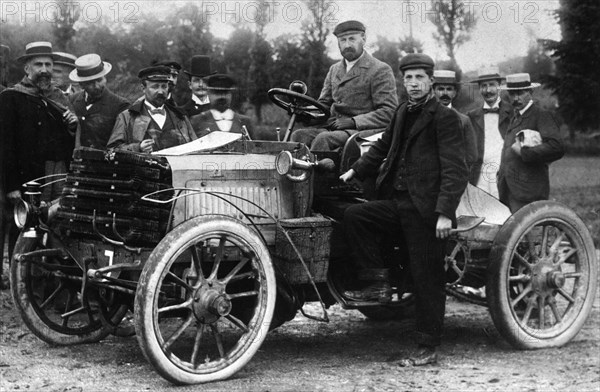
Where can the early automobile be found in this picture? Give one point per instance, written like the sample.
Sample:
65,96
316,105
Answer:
209,245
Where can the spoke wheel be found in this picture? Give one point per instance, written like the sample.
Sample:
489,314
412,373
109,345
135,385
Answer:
542,276
47,293
205,300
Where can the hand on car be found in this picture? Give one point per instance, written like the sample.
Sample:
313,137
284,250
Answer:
342,123
348,175
442,229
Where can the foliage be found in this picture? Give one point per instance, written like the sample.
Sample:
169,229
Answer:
66,14
314,33
577,57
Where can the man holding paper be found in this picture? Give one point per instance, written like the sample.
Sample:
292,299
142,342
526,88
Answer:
532,142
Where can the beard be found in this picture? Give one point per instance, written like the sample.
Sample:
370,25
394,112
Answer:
43,81
350,54
220,105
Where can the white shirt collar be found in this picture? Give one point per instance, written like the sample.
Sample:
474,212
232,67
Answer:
350,64
199,101
496,104
522,111
150,106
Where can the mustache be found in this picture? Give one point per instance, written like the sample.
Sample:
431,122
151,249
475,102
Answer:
351,50
445,97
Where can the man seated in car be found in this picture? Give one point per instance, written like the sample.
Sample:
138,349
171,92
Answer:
360,91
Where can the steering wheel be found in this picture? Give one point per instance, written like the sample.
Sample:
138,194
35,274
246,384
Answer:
299,106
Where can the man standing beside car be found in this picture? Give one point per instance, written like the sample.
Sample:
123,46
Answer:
359,90
422,177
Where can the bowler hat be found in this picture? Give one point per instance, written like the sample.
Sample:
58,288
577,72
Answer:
36,49
519,81
220,82
349,25
200,66
416,60
486,74
89,67
65,59
442,76
156,73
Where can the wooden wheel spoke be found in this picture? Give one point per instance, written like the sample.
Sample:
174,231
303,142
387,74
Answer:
183,305
51,297
245,275
566,295
556,244
564,256
528,311
235,270
555,311
244,294
197,265
545,240
541,311
218,258
525,291
237,322
523,261
180,281
218,339
521,278
197,340
178,332
531,245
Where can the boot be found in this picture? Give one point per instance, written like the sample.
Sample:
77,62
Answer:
377,286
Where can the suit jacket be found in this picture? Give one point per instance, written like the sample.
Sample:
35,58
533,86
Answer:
132,124
435,160
470,140
204,123
525,177
476,116
32,132
367,93
192,108
96,124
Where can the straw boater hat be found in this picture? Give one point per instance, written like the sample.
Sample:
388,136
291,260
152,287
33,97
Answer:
89,67
519,81
36,49
486,74
64,58
442,76
200,66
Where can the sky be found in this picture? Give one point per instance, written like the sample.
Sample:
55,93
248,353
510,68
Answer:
504,29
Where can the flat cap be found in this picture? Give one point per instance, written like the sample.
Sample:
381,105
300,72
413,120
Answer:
168,63
157,73
416,60
349,25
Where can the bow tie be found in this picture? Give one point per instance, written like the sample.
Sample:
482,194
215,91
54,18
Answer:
491,110
158,111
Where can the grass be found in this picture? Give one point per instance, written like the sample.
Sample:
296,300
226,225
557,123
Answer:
575,182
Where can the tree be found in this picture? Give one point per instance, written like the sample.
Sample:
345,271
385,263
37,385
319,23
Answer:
454,23
388,52
577,57
410,44
314,34
260,62
290,61
66,13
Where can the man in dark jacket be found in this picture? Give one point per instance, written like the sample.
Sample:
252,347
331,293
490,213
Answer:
151,124
531,142
221,117
199,101
36,128
96,106
419,187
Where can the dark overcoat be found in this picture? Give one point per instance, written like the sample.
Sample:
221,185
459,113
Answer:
435,160
525,177
97,122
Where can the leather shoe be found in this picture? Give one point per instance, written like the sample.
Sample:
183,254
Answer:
423,356
378,291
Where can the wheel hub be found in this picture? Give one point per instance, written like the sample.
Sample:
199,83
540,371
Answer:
210,303
546,277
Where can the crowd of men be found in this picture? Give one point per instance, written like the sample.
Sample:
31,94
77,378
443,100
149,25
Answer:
423,156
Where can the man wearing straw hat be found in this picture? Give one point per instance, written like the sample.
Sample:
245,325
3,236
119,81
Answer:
221,117
489,122
199,101
64,63
96,106
151,124
36,127
531,143
445,87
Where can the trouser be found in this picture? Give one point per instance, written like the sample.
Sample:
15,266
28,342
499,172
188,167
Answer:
321,139
365,225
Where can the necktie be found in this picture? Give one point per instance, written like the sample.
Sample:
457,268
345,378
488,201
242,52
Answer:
491,110
158,111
